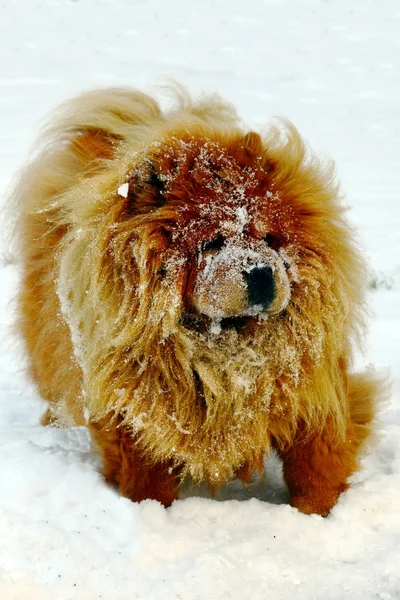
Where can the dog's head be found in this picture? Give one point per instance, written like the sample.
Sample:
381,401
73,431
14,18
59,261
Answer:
213,207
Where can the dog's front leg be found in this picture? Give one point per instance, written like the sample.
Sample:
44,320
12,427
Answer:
316,468
125,464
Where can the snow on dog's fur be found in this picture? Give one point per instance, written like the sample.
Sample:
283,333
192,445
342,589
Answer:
192,293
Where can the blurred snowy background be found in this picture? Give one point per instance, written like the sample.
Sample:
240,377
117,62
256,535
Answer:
332,67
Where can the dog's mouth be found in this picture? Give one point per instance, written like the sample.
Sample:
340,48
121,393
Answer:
237,323
203,324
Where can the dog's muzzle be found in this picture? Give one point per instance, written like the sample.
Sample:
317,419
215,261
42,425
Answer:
240,280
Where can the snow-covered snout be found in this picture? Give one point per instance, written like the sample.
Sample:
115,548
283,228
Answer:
240,277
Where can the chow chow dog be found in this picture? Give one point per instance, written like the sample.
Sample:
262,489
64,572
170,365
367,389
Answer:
191,292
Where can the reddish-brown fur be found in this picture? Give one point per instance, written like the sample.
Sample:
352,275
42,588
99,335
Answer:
121,302
136,476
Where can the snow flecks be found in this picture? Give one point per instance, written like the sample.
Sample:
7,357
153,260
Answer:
242,218
244,383
208,263
215,326
67,310
86,415
142,288
138,423
123,190
178,425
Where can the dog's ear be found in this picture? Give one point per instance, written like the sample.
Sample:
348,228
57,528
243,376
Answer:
146,190
251,144
252,147
153,179
91,147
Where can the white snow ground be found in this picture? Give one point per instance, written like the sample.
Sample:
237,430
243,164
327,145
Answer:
332,66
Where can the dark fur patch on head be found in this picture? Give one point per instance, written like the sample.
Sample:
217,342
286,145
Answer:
146,190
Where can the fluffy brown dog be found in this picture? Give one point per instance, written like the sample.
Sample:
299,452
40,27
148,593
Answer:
191,292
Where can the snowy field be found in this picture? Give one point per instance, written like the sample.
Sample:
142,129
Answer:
332,67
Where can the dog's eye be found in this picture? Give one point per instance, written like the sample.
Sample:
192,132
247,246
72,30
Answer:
273,241
162,272
154,180
215,244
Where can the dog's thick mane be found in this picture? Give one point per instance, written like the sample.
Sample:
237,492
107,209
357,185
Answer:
210,402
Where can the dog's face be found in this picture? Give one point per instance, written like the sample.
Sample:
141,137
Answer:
215,209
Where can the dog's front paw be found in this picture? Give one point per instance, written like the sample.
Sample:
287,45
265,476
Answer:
318,502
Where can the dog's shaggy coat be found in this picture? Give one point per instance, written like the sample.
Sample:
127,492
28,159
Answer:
143,237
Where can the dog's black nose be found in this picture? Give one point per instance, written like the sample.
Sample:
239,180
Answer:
260,286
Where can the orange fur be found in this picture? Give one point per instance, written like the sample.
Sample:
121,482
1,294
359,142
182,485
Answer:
138,477
140,328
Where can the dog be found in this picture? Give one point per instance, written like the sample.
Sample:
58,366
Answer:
192,293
